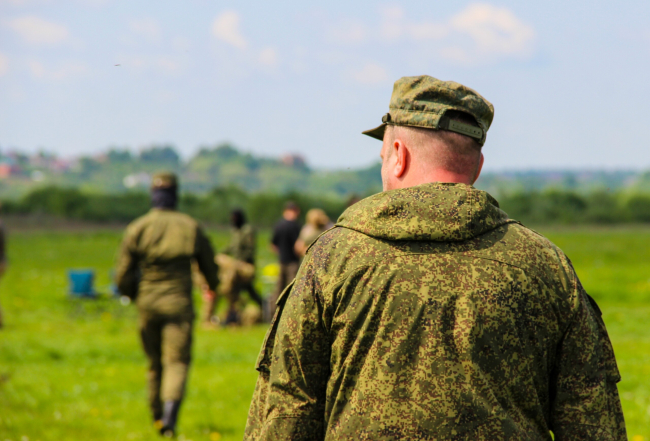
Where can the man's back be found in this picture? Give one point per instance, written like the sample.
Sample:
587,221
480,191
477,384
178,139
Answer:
430,315
163,243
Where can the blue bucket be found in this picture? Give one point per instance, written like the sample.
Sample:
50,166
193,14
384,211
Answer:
81,283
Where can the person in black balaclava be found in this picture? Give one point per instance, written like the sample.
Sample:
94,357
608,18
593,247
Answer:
153,268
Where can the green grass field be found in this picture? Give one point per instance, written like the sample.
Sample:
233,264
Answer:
73,370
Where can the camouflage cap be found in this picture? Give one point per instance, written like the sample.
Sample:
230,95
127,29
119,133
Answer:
164,180
422,101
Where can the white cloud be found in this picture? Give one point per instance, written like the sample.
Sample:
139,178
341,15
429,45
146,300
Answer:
147,27
495,31
371,74
4,64
64,71
268,57
226,28
35,30
477,34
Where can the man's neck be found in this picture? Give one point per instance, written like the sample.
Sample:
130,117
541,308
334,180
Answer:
442,176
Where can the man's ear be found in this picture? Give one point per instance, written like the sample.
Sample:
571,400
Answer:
402,156
480,167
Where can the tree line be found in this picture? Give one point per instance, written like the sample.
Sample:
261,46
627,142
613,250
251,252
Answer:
214,207
554,206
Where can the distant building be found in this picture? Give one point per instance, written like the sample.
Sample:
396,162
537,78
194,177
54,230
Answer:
137,179
294,160
8,168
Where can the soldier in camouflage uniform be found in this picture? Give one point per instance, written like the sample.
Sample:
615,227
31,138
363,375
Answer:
242,247
237,266
154,268
428,314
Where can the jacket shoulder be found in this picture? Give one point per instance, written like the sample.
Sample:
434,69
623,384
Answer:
340,250
160,217
530,249
518,246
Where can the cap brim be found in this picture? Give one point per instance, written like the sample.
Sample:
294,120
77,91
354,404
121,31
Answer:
377,132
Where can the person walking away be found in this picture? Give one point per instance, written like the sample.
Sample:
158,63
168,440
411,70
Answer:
285,235
316,222
427,313
154,268
237,268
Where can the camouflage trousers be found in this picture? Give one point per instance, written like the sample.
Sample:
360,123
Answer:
167,341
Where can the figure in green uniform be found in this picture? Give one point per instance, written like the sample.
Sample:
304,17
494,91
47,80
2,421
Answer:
154,268
428,314
242,247
237,272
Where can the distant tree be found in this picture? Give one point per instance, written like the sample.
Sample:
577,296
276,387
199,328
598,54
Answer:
88,166
226,151
251,162
160,154
638,206
119,156
63,202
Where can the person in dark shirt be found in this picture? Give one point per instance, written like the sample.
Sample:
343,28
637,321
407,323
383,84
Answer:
285,235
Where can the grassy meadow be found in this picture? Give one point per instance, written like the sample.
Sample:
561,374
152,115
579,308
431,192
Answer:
74,370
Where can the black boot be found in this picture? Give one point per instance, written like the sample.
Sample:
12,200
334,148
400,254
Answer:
169,419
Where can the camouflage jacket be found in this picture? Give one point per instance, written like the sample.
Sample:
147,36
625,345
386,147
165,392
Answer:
242,244
427,314
155,258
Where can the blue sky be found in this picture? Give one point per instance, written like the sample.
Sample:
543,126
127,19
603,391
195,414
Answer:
569,79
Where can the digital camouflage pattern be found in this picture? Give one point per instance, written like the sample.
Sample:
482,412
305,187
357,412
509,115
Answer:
423,100
154,267
427,314
242,244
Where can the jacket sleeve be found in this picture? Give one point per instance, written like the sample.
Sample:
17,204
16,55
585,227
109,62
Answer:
585,403
289,400
126,269
204,255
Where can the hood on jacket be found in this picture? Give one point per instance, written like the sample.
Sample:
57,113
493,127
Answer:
430,212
